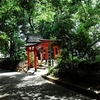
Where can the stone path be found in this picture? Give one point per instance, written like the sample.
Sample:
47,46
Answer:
28,86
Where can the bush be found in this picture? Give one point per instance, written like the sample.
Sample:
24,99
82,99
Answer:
9,64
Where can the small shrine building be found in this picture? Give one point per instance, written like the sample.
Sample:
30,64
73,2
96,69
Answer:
36,44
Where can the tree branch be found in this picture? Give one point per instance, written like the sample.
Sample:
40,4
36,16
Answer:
31,25
84,10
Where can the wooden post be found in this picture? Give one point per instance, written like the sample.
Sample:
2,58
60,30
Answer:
40,58
42,54
28,57
59,50
46,53
35,58
49,56
56,48
54,51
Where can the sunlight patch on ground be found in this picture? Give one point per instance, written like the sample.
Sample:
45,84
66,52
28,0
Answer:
33,80
1,86
56,98
42,72
37,94
9,73
4,95
28,78
32,83
24,84
97,92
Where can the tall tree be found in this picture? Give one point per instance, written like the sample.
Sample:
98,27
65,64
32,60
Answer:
9,23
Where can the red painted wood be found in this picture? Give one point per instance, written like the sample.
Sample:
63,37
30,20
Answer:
35,58
54,51
59,50
46,53
28,56
42,54
35,48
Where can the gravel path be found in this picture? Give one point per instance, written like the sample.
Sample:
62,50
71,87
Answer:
27,86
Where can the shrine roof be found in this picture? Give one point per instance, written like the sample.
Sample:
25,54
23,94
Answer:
46,40
32,44
33,38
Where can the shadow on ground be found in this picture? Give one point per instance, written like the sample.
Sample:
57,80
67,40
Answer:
18,86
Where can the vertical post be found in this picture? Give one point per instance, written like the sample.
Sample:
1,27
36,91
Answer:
59,50
52,57
28,57
42,54
40,57
49,56
35,58
46,53
54,50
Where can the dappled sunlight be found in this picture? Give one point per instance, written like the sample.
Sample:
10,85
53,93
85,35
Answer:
17,86
4,95
32,80
97,92
9,73
28,77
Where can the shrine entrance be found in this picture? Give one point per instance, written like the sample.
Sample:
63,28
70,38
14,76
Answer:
36,44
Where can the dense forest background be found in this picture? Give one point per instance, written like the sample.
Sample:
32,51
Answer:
75,22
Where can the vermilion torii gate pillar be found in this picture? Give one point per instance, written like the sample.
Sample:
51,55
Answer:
56,50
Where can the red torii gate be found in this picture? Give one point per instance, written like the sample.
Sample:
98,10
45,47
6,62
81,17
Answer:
41,46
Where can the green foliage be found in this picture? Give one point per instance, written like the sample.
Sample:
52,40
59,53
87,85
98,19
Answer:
50,69
3,37
97,58
76,59
3,41
58,58
73,25
18,43
32,57
73,21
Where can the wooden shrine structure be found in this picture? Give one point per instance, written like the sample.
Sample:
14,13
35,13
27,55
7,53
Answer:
36,44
